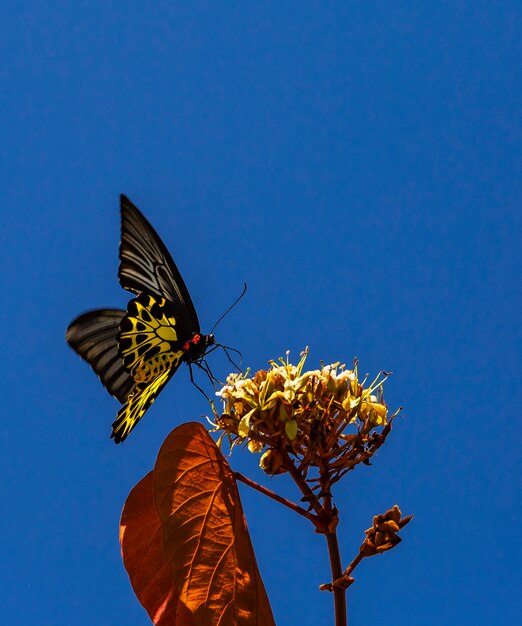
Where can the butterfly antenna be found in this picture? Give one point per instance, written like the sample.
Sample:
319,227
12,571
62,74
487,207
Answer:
230,308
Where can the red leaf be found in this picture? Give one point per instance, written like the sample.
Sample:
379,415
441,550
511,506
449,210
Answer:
185,542
205,535
141,538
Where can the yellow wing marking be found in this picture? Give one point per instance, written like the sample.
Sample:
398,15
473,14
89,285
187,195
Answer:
138,402
147,335
148,345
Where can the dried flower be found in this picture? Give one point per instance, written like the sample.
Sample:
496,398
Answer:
383,535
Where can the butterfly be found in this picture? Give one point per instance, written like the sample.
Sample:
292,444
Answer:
137,351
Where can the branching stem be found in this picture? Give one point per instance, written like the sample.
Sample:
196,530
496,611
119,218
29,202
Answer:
353,565
300,481
276,497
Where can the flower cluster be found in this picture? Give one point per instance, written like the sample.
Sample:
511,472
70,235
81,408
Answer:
322,416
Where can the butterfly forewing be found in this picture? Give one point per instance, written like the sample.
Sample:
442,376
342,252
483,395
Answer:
146,264
94,336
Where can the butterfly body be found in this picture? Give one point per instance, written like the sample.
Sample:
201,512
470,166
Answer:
136,352
196,347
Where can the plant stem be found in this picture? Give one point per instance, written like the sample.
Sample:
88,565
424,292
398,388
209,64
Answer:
341,618
348,571
300,481
276,497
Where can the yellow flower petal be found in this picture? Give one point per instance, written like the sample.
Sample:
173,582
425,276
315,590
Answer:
244,425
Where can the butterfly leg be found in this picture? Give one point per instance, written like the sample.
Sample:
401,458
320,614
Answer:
226,349
202,364
195,383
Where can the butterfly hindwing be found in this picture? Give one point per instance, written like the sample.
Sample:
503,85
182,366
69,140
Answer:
139,401
150,339
94,336
146,264
151,348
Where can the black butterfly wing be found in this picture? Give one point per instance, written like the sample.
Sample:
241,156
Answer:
136,352
146,265
94,336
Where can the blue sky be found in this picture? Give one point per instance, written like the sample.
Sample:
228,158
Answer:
358,164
